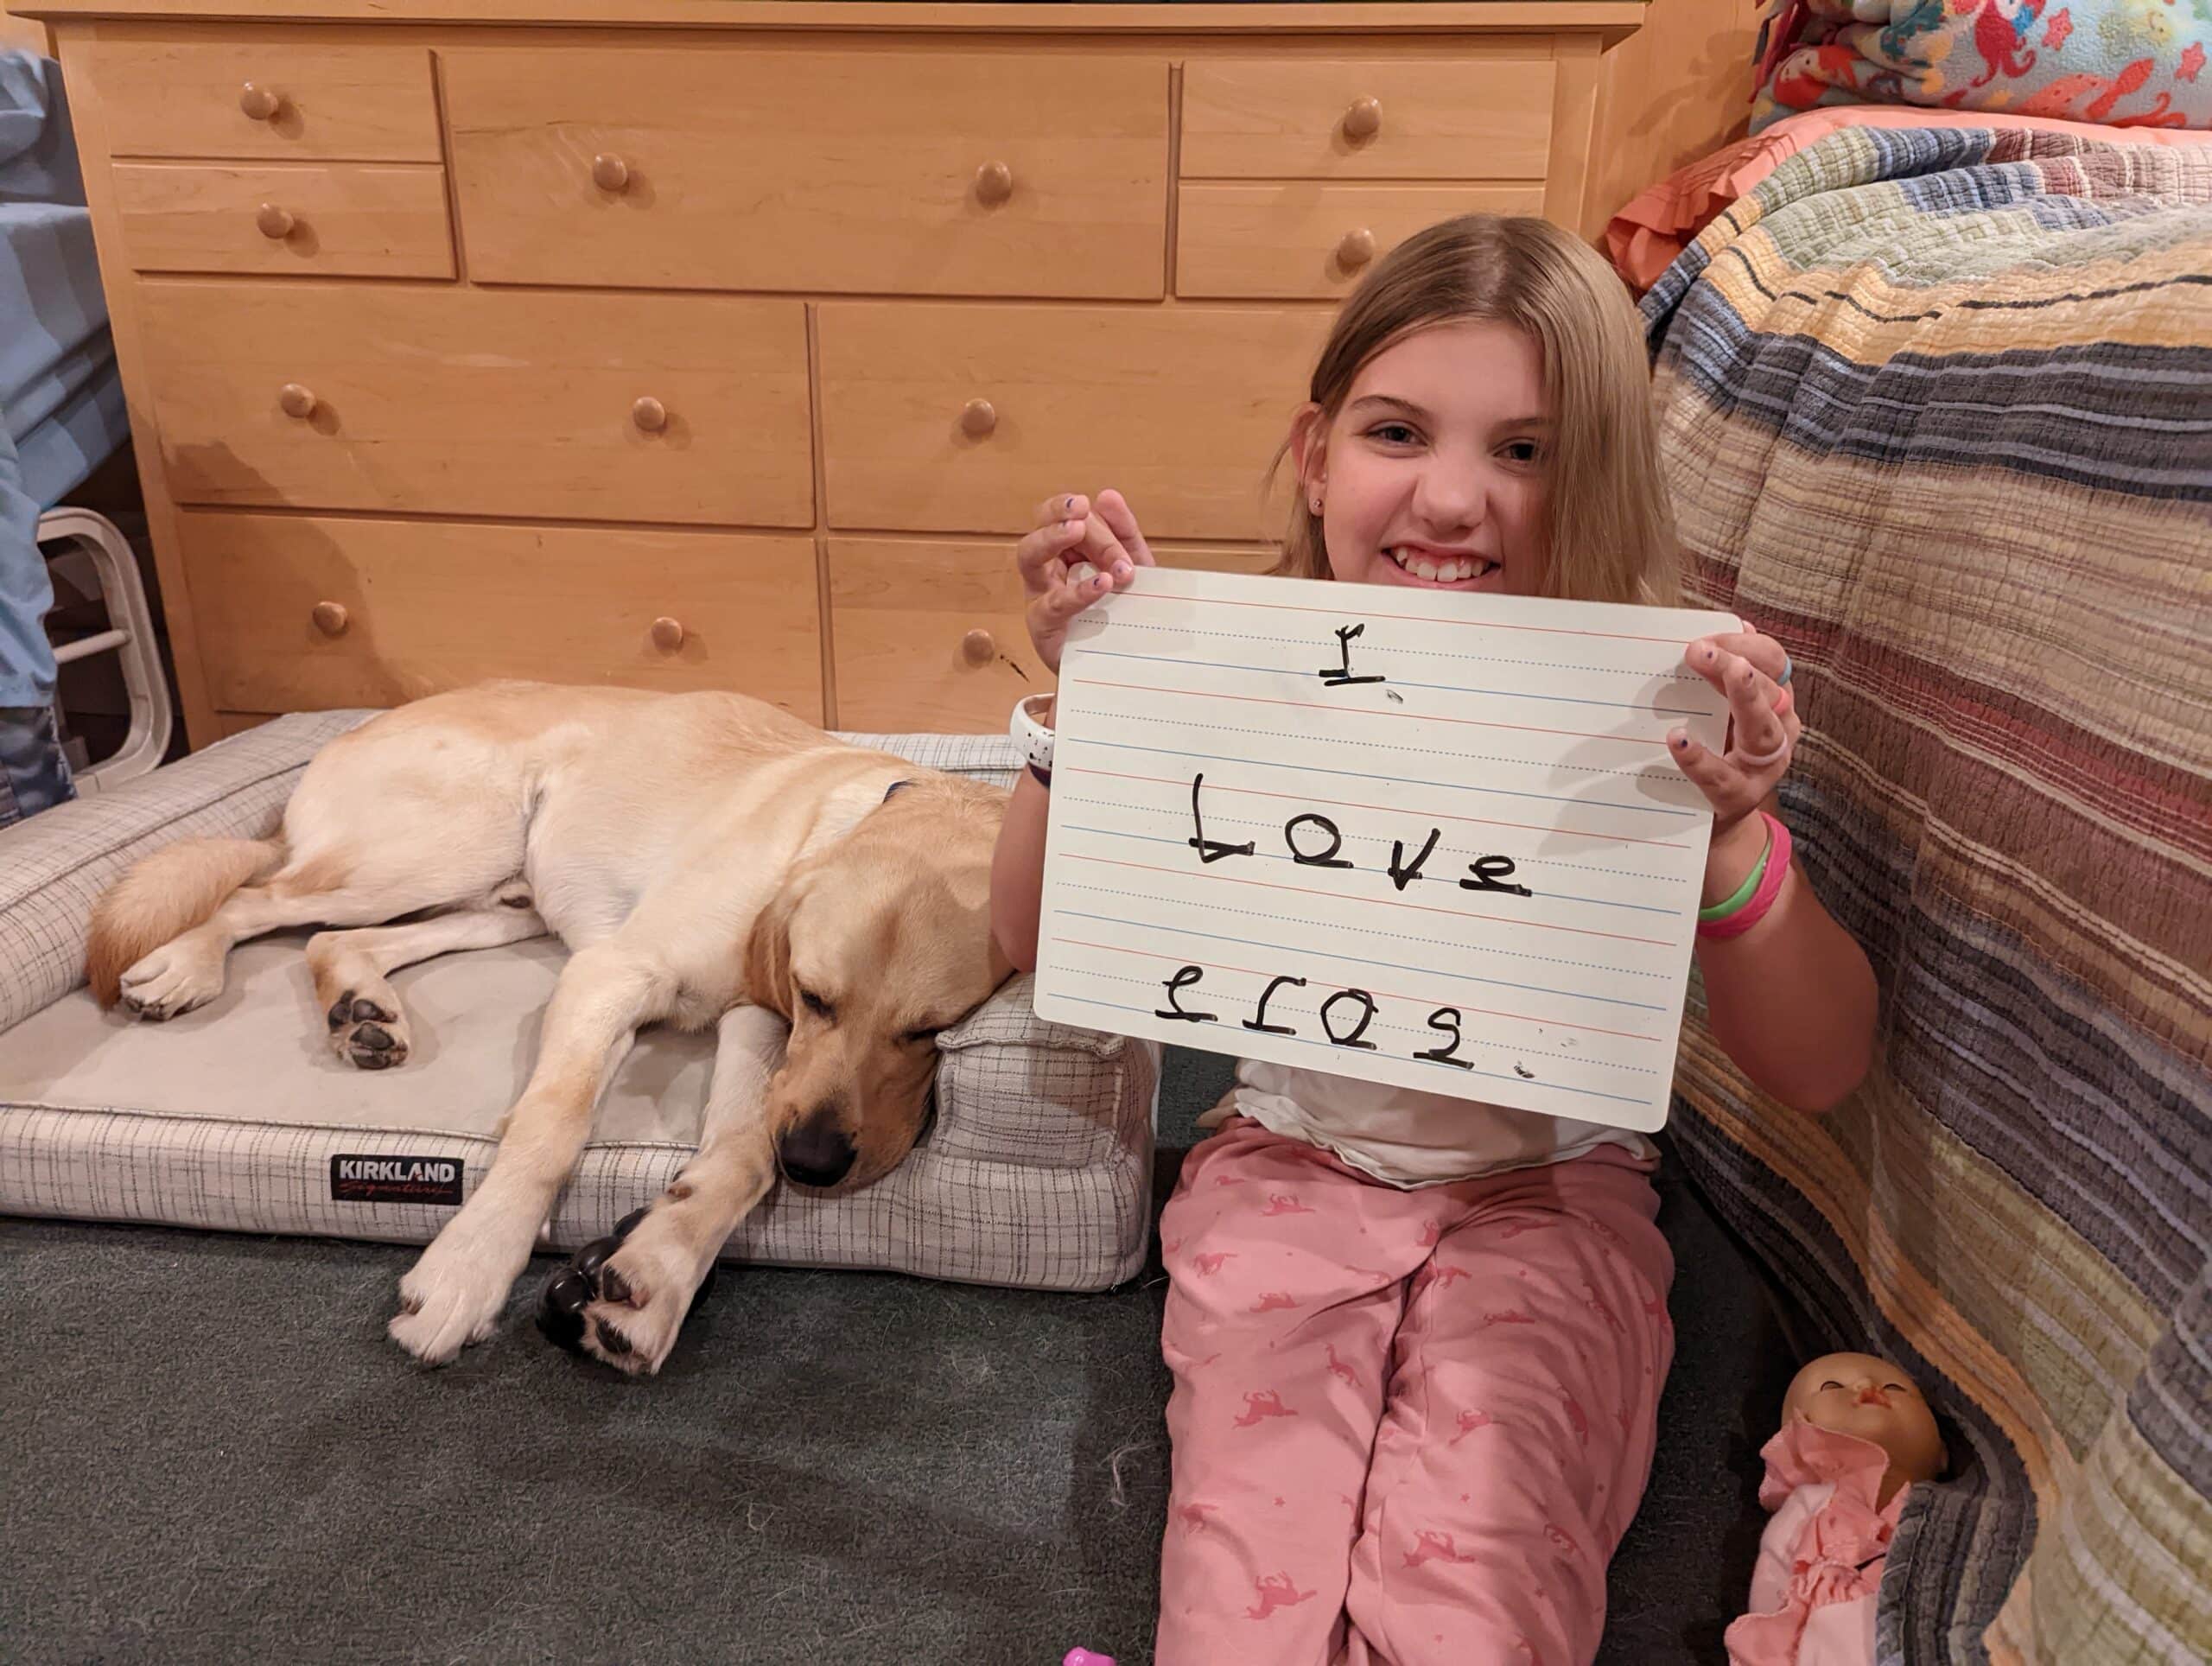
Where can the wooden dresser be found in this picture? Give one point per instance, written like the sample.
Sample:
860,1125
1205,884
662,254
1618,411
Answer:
700,343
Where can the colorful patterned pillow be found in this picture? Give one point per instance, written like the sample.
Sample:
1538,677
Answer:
2120,63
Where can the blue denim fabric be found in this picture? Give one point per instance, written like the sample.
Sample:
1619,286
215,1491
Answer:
34,775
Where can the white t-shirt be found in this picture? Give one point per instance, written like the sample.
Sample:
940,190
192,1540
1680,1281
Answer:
1403,1136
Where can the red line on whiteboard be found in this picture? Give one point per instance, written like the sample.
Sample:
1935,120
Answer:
1419,619
1486,1012
1402,717
1388,809
1380,902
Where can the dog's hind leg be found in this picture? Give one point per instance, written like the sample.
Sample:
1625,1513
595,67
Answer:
368,1027
186,971
352,859
624,1299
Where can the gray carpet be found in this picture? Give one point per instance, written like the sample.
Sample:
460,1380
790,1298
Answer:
210,1453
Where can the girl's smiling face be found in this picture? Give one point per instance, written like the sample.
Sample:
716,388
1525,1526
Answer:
1433,474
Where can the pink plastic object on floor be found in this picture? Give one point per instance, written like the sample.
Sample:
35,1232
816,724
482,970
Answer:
1085,1657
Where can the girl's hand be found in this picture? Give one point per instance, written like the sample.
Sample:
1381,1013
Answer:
1764,726
1077,553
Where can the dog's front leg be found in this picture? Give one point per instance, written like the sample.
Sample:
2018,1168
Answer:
624,1299
454,1293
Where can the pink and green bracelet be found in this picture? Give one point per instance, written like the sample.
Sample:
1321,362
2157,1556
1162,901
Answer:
1735,915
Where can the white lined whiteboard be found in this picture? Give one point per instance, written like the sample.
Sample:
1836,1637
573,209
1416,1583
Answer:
1416,837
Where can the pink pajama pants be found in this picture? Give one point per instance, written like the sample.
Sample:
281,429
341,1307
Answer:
1407,1426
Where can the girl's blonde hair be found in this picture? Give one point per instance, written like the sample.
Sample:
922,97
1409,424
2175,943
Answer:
1610,536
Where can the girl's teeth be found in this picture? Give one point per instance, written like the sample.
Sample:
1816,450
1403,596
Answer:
1444,572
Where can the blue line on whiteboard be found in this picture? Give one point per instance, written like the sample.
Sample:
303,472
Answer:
1400,780
1496,1075
1364,931
1276,856
1396,683
1365,960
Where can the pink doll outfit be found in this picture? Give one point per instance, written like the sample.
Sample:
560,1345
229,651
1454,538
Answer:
1820,1558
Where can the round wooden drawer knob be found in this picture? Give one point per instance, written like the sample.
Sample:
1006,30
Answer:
978,648
610,173
330,618
260,103
650,414
275,222
1355,249
977,418
1364,119
993,184
297,401
668,634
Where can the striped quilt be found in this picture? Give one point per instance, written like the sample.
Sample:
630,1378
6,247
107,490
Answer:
1938,412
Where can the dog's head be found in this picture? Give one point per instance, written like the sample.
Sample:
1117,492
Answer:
871,948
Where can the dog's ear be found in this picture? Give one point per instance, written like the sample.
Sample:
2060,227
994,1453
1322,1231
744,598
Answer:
768,955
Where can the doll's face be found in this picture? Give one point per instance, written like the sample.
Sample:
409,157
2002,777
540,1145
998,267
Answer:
1858,1394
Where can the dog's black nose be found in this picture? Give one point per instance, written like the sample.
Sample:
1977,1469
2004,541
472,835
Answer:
817,1153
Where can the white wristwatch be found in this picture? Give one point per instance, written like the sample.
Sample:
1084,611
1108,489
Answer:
1030,727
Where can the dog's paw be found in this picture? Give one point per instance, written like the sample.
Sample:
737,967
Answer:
367,1033
174,979
449,1298
622,1299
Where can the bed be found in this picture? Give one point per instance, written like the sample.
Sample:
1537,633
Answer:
1936,408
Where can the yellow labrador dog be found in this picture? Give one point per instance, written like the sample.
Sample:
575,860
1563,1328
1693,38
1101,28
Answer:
708,860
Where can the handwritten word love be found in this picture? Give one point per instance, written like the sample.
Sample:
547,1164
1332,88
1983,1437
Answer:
1487,872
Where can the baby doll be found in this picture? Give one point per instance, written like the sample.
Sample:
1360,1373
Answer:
1855,1433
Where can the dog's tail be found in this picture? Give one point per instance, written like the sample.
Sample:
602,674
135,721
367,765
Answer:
170,892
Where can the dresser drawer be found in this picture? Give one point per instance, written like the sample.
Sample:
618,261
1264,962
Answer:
927,635
299,613
278,96
393,397
1309,239
330,219
1483,118
945,418
976,174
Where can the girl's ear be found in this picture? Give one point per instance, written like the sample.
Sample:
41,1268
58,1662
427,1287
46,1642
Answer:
1309,449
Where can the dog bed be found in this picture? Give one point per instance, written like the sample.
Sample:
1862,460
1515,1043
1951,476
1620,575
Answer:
1035,1172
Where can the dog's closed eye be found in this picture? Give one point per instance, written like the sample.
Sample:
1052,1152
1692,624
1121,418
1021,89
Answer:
817,1005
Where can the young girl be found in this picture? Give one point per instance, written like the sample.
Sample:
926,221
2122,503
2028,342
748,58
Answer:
1417,1342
